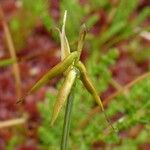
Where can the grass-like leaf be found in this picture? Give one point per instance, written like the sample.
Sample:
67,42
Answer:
6,62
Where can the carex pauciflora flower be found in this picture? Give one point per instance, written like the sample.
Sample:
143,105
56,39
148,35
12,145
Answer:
71,67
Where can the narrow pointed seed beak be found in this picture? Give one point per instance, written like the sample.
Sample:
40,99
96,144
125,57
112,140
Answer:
63,94
55,71
81,40
88,84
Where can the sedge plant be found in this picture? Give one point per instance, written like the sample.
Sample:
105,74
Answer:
72,69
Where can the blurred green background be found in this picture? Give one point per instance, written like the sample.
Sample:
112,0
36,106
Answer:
116,54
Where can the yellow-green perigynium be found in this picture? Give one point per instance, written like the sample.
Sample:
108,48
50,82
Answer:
70,66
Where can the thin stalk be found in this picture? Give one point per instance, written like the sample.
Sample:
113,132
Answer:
13,122
67,121
12,51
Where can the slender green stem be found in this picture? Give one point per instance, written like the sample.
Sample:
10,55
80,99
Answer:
67,121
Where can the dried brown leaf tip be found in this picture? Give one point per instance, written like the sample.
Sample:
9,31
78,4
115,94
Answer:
71,67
